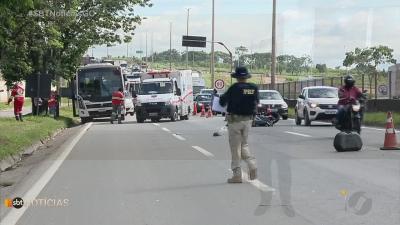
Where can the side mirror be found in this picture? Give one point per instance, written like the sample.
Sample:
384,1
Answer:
302,97
178,92
286,99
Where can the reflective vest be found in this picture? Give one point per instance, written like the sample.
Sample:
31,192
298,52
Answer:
18,93
117,98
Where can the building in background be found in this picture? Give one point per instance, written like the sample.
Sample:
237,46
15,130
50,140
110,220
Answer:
394,81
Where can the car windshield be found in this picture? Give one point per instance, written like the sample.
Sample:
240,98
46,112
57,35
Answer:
207,91
98,84
322,93
203,98
156,88
270,95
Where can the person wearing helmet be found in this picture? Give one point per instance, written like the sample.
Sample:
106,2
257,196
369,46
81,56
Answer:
242,99
348,94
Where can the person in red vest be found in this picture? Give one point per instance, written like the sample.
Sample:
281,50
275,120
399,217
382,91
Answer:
117,104
52,104
17,93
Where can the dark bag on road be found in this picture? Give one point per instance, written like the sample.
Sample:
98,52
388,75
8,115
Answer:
347,142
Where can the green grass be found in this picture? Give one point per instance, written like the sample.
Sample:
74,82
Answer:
4,106
16,136
379,119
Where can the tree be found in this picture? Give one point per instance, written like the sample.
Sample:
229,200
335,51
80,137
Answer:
368,60
321,68
239,51
35,40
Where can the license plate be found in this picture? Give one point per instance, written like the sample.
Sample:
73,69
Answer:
330,112
153,114
102,110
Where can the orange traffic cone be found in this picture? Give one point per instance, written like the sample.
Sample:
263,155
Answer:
209,113
390,135
195,109
203,111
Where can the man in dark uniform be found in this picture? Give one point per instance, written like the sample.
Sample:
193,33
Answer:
242,99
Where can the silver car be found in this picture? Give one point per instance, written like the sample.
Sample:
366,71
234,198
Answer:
316,103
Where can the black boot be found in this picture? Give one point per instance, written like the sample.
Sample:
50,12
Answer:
17,117
20,117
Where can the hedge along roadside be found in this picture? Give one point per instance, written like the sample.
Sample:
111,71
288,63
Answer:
16,136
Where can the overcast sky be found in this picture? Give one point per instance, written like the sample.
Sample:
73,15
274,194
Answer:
323,29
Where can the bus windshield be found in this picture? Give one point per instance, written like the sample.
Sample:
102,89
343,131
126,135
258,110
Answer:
156,88
98,84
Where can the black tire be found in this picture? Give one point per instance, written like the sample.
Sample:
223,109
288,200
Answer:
139,119
307,120
174,116
357,125
297,119
85,120
132,113
284,117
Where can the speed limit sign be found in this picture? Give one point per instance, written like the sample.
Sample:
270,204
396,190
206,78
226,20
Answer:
219,84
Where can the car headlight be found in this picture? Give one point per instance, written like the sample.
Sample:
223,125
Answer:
356,108
138,103
313,105
284,105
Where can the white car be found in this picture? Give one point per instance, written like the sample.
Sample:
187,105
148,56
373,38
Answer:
274,100
316,103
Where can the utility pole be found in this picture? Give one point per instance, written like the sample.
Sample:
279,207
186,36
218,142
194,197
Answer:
212,45
170,45
273,51
187,33
127,51
146,49
152,48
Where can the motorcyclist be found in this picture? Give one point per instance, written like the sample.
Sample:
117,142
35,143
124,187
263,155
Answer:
348,94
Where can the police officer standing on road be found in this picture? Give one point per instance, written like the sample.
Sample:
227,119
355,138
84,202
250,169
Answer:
242,99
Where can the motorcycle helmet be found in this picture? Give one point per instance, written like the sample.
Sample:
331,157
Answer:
349,81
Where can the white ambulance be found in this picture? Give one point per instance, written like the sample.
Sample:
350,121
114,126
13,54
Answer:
165,94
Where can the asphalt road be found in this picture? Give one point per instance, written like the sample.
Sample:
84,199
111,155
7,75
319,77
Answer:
175,174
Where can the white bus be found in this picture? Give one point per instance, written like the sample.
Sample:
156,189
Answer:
94,85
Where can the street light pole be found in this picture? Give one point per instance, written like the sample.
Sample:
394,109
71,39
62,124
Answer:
187,33
146,50
273,52
230,55
212,45
170,45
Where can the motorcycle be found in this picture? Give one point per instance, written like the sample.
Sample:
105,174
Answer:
265,117
353,116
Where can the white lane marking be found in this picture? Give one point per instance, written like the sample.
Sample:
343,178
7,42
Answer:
15,214
166,129
203,151
298,134
156,124
179,137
